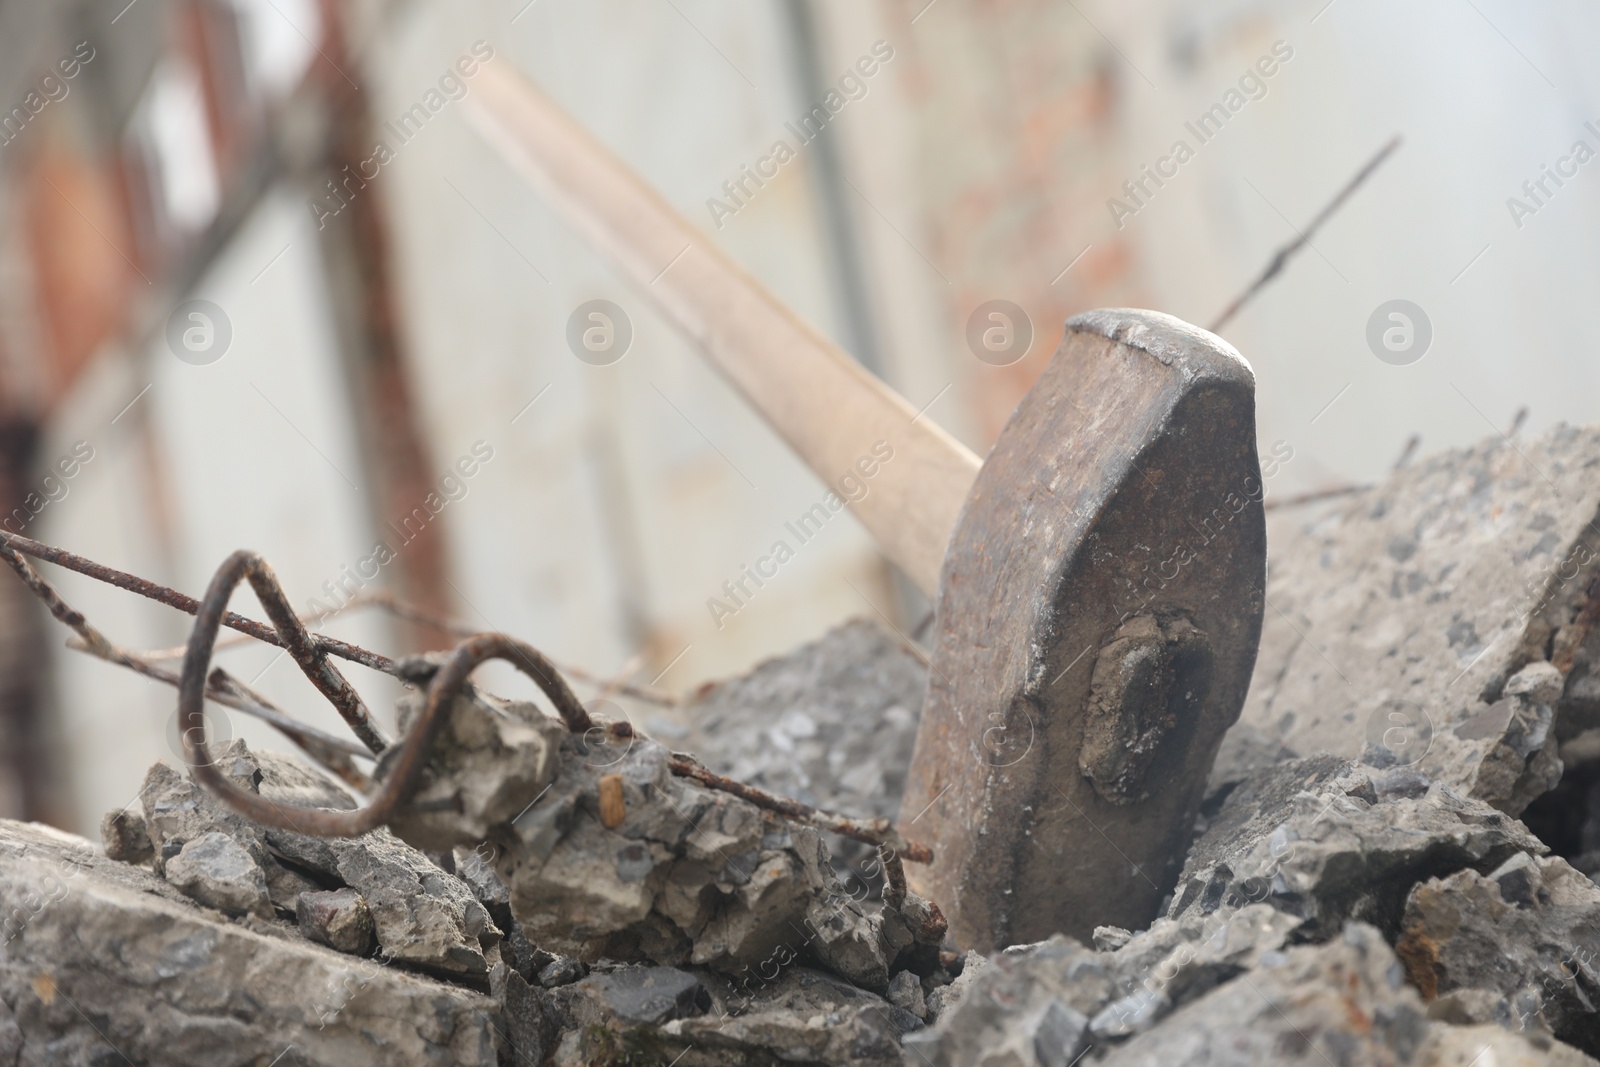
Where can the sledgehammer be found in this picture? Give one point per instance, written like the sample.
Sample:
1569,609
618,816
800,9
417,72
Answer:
1097,579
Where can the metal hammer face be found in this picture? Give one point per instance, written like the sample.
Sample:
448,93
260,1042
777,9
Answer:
1099,610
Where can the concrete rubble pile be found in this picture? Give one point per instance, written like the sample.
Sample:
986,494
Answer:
1392,866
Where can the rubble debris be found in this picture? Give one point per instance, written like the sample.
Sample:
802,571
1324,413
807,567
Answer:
942,997
905,992
643,996
1057,996
1344,1001
1030,1004
1314,837
798,724
338,918
802,1016
1519,947
690,1017
491,759
1178,960
758,892
1345,998
1303,850
125,836
420,914
108,963
691,876
616,911
217,872
1404,613
1477,1046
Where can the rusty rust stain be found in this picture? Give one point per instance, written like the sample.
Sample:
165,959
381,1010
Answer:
1419,953
612,809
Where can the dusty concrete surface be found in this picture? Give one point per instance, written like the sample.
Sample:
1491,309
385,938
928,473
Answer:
106,962
1398,620
1519,947
799,725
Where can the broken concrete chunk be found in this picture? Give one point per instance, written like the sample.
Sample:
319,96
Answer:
531,1021
563,970
846,940
125,837
474,869
905,991
1111,938
1030,1005
1478,1046
216,871
339,919
1022,1005
943,998
1527,935
420,914
1522,761
689,876
113,965
1344,1002
1403,614
1302,837
488,764
1174,962
831,723
799,1016
177,811
646,996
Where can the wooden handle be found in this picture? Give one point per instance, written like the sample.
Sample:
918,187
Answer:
840,419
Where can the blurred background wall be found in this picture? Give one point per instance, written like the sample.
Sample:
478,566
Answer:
375,325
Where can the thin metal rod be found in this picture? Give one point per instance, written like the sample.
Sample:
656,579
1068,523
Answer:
312,660
1281,257
162,594
879,831
331,752
1314,496
382,598
387,601
407,769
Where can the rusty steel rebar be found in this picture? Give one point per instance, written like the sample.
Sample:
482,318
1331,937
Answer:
198,683
407,769
387,601
331,752
879,831
1281,257
245,565
384,600
1314,496
162,594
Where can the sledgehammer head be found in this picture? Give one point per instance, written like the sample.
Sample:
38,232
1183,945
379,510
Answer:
1098,616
